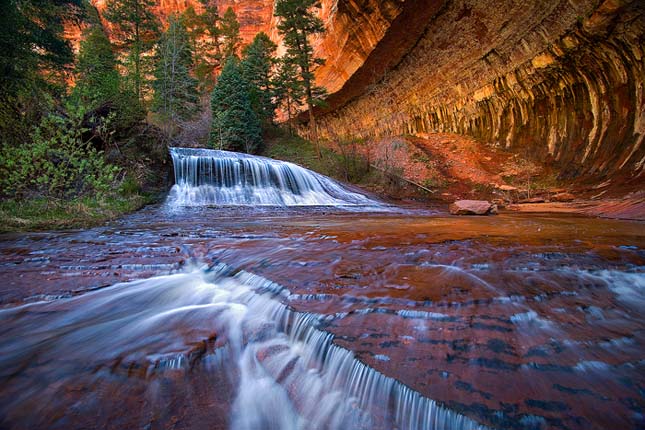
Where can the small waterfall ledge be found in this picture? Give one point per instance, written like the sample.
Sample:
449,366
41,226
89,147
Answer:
288,372
206,177
335,390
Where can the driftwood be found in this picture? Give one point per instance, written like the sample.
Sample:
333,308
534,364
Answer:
394,175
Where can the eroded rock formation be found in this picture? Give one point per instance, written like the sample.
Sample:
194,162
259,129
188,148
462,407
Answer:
556,80
354,28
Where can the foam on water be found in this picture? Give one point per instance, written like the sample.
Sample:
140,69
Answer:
290,374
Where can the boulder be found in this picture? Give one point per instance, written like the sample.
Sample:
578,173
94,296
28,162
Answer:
472,207
563,197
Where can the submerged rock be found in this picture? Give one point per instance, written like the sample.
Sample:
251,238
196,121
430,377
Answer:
473,207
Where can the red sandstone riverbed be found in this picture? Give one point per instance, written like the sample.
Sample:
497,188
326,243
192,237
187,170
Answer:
516,321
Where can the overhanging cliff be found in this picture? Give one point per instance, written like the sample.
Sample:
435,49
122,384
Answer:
559,81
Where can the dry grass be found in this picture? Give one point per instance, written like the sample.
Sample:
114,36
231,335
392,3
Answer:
44,214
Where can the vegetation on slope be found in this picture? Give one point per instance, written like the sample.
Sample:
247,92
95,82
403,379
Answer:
344,163
85,137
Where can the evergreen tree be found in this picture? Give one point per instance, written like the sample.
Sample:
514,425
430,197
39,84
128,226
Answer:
175,96
136,30
297,23
97,79
230,33
33,59
203,31
257,63
288,90
32,46
235,125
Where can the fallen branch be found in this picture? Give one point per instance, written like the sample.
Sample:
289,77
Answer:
403,179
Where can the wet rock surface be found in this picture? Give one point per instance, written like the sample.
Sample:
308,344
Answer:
563,197
516,321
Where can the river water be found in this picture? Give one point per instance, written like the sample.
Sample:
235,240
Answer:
351,315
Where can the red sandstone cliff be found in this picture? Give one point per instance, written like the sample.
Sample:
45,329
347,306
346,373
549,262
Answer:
354,28
254,16
555,80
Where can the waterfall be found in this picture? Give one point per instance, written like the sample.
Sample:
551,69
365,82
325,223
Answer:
288,373
206,177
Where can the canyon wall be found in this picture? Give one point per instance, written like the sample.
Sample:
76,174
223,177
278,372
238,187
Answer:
354,29
254,16
555,80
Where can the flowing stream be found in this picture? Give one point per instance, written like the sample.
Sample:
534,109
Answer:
261,295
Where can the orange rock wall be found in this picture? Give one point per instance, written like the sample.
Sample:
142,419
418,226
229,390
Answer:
354,28
555,80
254,16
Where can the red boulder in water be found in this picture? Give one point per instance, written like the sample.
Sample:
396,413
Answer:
472,207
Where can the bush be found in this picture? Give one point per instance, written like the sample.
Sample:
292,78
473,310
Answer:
129,186
55,163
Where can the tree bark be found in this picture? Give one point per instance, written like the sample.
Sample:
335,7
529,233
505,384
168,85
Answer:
314,130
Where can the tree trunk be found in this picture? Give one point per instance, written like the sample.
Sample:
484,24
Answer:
289,115
137,54
314,130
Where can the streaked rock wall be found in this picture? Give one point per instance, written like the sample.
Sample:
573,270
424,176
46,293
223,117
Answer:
554,80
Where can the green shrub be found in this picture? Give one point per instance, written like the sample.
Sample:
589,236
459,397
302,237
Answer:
129,186
55,163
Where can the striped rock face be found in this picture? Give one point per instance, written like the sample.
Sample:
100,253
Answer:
208,317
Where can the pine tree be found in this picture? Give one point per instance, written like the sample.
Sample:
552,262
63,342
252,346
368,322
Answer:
297,23
203,31
257,64
32,46
235,125
175,96
97,79
230,33
136,30
34,58
288,90
98,82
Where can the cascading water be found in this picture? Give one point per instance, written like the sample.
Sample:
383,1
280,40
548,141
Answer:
379,314
289,373
222,178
